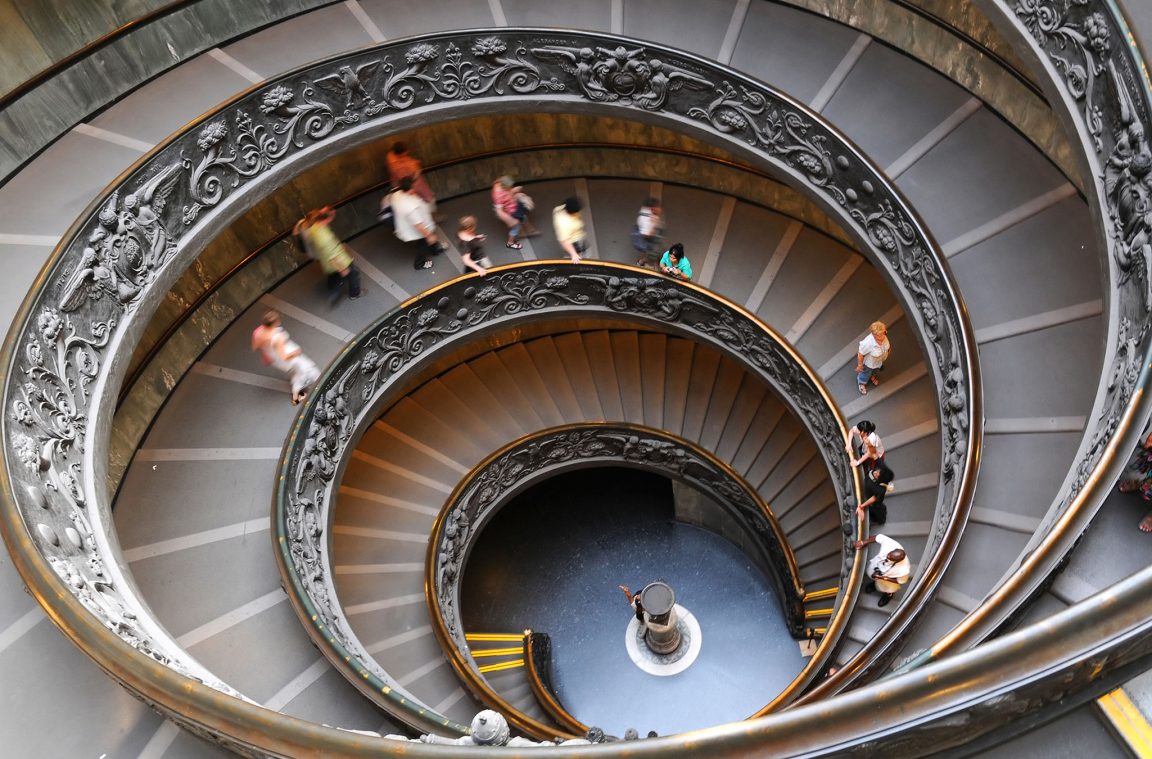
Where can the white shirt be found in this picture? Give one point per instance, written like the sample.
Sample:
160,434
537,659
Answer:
874,353
897,572
409,210
872,438
647,222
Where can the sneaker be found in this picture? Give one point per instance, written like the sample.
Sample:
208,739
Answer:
884,601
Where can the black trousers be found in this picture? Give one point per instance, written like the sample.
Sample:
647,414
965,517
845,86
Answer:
424,253
336,282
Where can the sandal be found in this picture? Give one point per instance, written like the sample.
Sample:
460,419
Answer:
1146,524
874,380
514,245
863,389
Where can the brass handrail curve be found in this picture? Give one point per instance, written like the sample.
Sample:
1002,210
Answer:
1110,113
371,373
207,174
538,651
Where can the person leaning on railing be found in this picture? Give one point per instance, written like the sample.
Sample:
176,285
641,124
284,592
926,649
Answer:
876,481
675,264
865,445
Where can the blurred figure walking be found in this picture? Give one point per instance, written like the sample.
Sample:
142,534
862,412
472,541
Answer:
647,234
403,165
512,207
322,244
276,348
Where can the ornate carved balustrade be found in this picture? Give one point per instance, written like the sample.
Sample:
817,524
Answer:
436,330
65,356
1094,69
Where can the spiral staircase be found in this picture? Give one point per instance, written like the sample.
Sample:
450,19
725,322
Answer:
1000,191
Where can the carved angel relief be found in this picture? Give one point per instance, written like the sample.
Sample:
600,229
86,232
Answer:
126,249
620,74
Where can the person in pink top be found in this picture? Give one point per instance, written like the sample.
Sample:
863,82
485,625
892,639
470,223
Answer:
512,207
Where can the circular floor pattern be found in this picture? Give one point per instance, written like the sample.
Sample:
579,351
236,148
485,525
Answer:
665,665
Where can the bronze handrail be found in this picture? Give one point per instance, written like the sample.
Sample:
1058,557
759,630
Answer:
370,373
93,47
1110,113
537,659
207,174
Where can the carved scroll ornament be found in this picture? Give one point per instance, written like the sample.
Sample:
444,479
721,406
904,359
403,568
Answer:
104,278
367,372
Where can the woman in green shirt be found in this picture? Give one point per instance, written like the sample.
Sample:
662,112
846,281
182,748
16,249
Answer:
675,264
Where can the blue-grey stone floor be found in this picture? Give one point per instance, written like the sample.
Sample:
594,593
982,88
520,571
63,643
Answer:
551,561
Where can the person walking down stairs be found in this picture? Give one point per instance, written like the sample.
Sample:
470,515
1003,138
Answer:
413,219
871,354
322,244
278,349
569,227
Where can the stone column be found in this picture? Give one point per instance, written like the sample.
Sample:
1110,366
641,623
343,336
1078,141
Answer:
662,635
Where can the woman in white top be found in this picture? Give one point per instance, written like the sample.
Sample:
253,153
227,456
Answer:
863,438
646,235
871,354
277,349
889,568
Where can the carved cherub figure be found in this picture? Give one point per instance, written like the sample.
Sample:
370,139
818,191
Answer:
581,62
665,79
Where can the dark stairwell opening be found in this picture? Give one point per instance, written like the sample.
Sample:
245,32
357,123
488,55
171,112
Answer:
552,559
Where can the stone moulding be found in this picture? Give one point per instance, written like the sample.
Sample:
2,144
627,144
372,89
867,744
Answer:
1092,66
65,355
376,365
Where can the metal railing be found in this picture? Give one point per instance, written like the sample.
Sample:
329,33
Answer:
463,317
1094,68
67,350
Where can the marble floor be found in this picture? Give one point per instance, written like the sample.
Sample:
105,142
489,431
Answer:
552,560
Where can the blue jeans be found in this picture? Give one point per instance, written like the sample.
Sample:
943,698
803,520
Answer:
863,377
520,214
